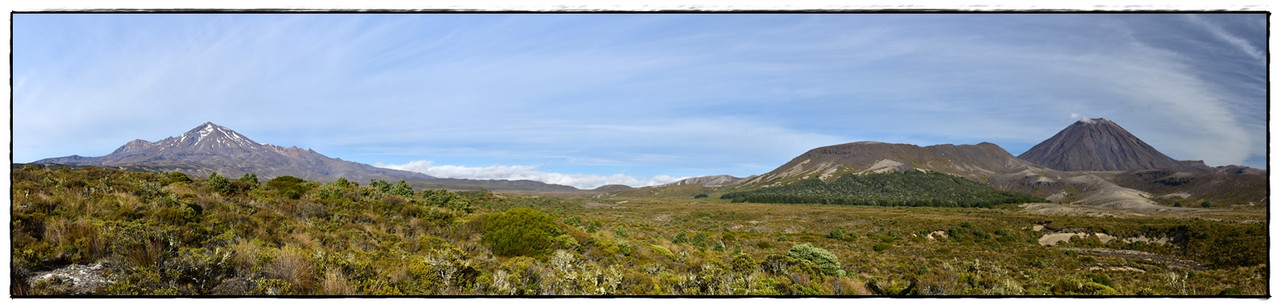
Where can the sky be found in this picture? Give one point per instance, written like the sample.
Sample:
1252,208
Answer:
635,99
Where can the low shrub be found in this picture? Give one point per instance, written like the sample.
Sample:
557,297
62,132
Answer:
288,186
827,261
882,246
520,232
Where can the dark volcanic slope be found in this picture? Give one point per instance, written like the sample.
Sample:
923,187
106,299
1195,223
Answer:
213,148
1101,145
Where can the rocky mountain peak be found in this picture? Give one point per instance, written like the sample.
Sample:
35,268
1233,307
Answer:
211,147
210,136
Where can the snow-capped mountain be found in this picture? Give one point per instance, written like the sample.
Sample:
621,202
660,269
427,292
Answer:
214,148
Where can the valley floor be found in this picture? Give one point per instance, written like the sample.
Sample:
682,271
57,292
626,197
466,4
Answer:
1030,249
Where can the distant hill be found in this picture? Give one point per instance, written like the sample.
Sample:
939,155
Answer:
975,162
1101,145
612,188
213,148
709,181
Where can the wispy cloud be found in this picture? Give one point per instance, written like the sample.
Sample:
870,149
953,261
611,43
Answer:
519,172
1157,94
1236,41
680,95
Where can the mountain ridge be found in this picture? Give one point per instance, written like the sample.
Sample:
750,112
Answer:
975,162
210,148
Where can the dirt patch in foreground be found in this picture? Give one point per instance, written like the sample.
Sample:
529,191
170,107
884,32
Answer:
1058,209
1140,255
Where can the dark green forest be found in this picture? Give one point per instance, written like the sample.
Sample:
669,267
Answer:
910,188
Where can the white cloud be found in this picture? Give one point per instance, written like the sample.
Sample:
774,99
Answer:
1234,40
519,172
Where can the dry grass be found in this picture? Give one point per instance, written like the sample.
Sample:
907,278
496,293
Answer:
127,202
335,283
305,241
847,286
291,265
145,253
246,254
81,235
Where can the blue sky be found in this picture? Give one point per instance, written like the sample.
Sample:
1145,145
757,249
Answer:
636,99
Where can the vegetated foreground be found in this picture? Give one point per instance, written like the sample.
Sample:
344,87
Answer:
108,232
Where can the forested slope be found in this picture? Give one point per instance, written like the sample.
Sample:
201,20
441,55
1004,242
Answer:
910,188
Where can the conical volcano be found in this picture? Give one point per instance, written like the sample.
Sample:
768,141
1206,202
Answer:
213,148
1100,145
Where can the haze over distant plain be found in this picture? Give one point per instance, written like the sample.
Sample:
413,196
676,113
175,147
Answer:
593,99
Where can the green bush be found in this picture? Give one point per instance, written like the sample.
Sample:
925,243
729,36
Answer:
520,232
764,245
401,188
342,182
220,183
1082,287
699,240
594,225
680,238
882,246
288,186
176,177
251,178
827,261
1098,278
573,221
662,251
838,234
786,265
459,204
380,185
624,248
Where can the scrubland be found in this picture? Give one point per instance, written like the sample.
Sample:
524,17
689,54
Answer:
109,232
